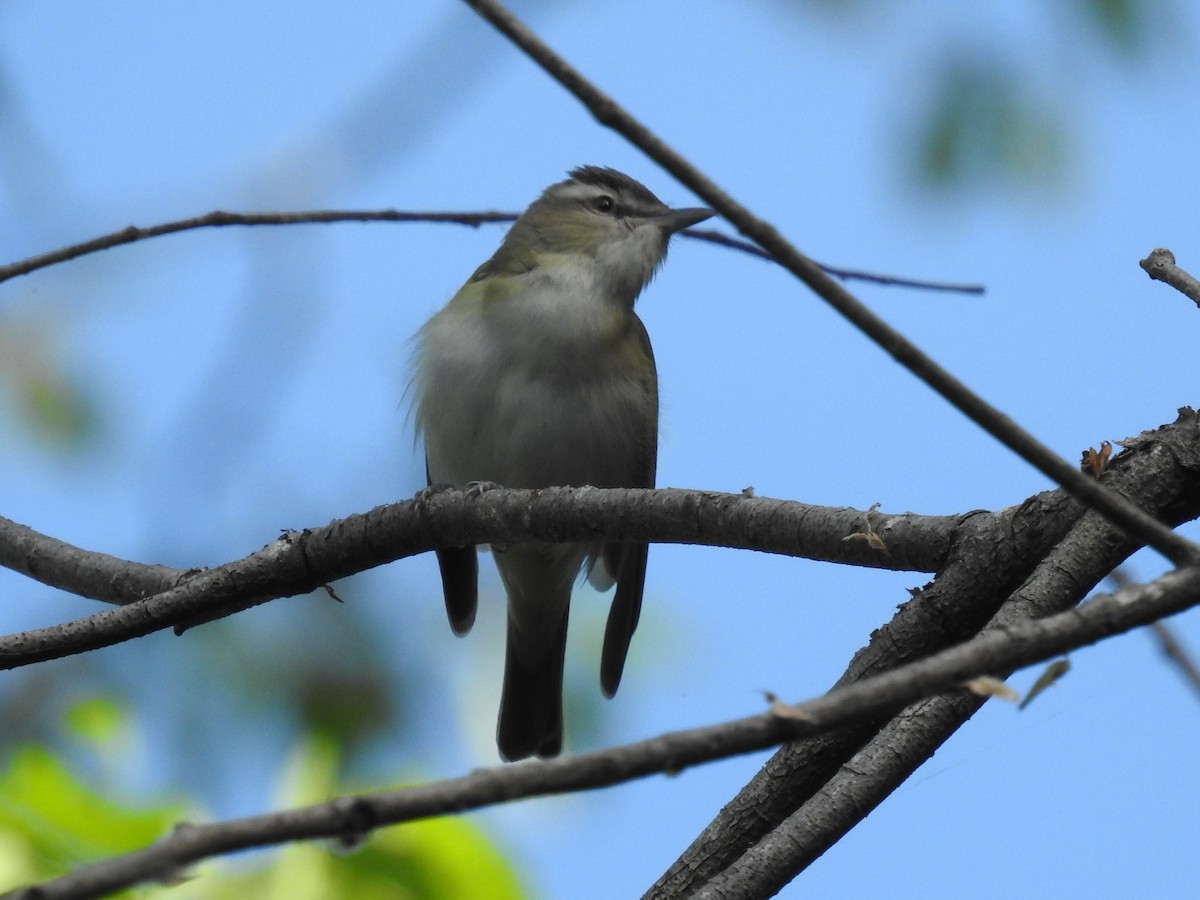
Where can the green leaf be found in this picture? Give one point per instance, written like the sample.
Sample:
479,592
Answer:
50,821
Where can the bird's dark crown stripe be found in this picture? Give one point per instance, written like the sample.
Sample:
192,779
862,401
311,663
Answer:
612,180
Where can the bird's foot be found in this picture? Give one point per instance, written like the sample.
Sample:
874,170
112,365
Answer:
475,489
425,494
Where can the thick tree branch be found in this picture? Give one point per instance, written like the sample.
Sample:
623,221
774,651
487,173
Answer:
1092,548
913,735
606,110
805,780
302,561
991,557
299,562
984,546
86,573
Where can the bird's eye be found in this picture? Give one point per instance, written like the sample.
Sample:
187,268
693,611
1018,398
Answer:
603,204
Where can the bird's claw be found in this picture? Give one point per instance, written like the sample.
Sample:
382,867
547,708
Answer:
425,494
475,489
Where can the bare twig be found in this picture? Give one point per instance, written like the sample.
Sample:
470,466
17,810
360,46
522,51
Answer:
1172,647
724,240
1160,265
606,110
221,219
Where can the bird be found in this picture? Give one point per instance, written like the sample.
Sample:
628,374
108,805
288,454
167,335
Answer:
538,373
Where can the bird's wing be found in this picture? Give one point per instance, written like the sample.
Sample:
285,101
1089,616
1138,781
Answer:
460,581
627,562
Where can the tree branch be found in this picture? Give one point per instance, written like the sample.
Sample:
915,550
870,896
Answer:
1164,464
1093,547
1160,265
723,240
85,573
301,561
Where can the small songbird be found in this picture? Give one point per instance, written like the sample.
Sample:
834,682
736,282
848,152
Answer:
538,373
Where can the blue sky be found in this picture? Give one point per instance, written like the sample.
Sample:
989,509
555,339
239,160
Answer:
249,381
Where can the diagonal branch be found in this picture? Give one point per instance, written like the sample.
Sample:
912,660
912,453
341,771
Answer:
1092,548
1126,514
1170,645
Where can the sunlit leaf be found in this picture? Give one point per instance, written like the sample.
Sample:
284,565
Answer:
53,821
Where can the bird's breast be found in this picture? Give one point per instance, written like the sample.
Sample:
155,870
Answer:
548,388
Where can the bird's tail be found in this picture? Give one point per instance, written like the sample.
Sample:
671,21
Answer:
531,701
538,580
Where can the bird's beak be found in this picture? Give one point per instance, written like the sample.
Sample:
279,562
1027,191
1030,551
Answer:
674,220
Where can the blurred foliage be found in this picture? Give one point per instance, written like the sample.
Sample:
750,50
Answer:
305,665
985,121
436,858
41,393
299,667
992,119
52,820
1126,24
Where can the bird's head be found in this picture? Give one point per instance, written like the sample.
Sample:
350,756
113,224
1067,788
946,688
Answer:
598,218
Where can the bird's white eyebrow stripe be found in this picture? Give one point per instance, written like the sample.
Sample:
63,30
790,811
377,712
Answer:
574,190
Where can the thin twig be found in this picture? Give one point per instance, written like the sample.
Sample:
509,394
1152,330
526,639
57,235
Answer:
1168,642
1176,652
1126,514
724,240
221,219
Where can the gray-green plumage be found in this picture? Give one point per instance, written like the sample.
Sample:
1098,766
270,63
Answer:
538,373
